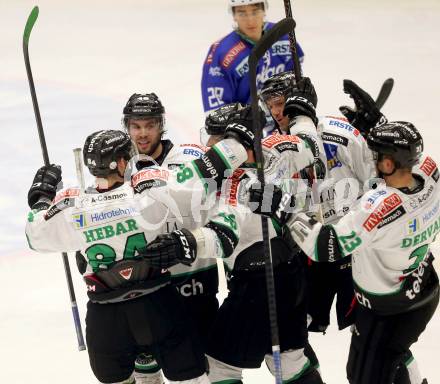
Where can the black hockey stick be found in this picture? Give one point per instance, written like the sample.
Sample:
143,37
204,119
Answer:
384,92
292,40
268,39
27,33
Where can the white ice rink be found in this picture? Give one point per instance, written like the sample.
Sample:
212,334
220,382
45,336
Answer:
89,56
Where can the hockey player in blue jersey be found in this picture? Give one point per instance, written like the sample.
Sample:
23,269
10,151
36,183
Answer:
225,70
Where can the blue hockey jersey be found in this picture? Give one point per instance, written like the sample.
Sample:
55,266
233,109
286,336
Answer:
225,70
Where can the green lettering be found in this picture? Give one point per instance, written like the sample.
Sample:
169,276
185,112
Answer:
436,226
89,236
100,254
133,244
429,230
99,234
131,225
423,237
416,240
406,242
109,232
120,229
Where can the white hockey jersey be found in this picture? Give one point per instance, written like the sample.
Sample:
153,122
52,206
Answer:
202,273
112,226
389,233
284,156
350,167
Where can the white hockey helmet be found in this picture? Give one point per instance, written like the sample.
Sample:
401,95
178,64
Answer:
237,3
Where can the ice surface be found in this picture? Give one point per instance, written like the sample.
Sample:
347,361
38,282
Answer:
89,56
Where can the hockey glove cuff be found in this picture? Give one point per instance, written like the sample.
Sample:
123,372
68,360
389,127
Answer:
170,249
44,186
302,100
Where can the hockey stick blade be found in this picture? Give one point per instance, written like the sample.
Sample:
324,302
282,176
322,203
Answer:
33,16
272,36
384,92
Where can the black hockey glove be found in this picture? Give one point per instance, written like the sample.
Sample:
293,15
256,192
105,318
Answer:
271,202
366,114
170,249
302,100
44,186
240,126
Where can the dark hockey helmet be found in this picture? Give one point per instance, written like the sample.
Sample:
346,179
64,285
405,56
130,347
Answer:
103,148
277,85
398,139
140,106
217,120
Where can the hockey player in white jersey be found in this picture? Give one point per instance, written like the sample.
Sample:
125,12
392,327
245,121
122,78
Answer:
389,233
240,337
350,166
144,120
110,228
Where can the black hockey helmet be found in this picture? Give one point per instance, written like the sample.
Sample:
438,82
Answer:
103,148
217,120
141,106
277,85
398,139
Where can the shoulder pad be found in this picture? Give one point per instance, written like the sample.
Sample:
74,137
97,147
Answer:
64,199
340,125
276,139
68,193
384,207
428,168
149,178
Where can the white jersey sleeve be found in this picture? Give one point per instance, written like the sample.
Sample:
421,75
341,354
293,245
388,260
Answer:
48,230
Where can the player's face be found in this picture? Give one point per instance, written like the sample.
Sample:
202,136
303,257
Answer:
276,107
146,134
250,20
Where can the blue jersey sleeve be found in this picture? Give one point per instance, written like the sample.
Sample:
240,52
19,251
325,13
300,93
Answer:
217,87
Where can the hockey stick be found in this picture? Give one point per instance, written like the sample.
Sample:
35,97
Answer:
384,92
77,153
27,33
292,40
268,39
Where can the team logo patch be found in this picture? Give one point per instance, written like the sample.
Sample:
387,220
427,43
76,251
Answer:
232,54
149,174
331,152
399,211
66,193
79,220
385,207
413,226
212,51
335,138
126,273
232,195
273,140
428,166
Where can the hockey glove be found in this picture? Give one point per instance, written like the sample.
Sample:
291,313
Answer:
240,126
302,100
366,114
44,186
170,249
271,202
